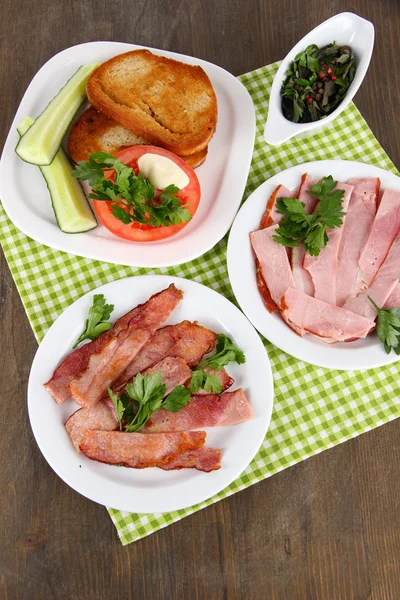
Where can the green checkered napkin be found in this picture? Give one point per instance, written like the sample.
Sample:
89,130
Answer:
315,408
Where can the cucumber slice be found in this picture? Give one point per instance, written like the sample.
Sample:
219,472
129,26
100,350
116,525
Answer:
41,142
71,208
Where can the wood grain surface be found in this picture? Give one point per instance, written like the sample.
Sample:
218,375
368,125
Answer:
328,528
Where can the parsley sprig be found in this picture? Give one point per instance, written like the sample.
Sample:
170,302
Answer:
225,352
96,322
296,226
133,197
388,327
143,397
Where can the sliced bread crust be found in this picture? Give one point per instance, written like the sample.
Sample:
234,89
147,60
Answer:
169,103
95,132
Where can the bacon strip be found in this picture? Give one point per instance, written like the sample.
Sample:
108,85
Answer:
359,218
106,365
186,340
149,315
100,418
271,215
323,268
204,459
139,450
330,323
202,411
274,262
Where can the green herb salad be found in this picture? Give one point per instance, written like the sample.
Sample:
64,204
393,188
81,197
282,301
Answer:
316,82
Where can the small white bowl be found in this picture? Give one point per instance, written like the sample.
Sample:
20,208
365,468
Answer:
345,29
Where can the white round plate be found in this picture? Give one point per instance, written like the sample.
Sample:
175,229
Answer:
361,354
152,490
222,176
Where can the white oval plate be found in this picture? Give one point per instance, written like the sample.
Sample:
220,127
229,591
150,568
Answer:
222,176
362,354
345,28
152,490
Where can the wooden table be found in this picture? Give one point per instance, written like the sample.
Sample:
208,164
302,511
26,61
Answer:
327,528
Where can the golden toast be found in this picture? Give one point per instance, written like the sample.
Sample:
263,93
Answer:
168,103
95,132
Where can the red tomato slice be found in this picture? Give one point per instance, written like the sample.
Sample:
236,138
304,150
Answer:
137,232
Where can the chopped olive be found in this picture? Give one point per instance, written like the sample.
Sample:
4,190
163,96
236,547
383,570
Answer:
325,74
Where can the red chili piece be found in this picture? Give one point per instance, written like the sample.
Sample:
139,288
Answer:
330,71
333,77
321,75
309,100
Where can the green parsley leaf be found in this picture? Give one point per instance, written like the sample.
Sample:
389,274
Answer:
296,226
177,399
96,323
388,327
143,397
203,376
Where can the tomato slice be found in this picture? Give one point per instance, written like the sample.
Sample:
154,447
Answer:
137,232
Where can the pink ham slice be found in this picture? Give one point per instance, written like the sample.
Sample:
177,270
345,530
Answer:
384,229
359,219
106,365
186,340
203,411
394,299
271,215
139,450
204,459
323,268
150,315
100,418
273,261
302,278
382,286
330,323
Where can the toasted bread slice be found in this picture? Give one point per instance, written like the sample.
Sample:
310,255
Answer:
169,103
95,132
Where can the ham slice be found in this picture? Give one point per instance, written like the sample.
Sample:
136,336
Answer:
139,450
359,219
394,299
100,418
271,215
302,278
186,340
150,315
264,291
202,411
384,229
204,459
331,323
274,262
323,268
106,365
382,286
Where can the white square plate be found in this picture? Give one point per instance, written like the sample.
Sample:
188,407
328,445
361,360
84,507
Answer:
222,177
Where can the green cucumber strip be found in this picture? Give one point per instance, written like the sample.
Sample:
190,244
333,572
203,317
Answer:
40,143
71,207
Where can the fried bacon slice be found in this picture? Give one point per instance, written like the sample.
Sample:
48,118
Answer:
150,315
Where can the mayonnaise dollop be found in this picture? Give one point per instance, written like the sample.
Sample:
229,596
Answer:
162,171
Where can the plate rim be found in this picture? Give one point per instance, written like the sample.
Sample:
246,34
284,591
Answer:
252,314
243,105
66,474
